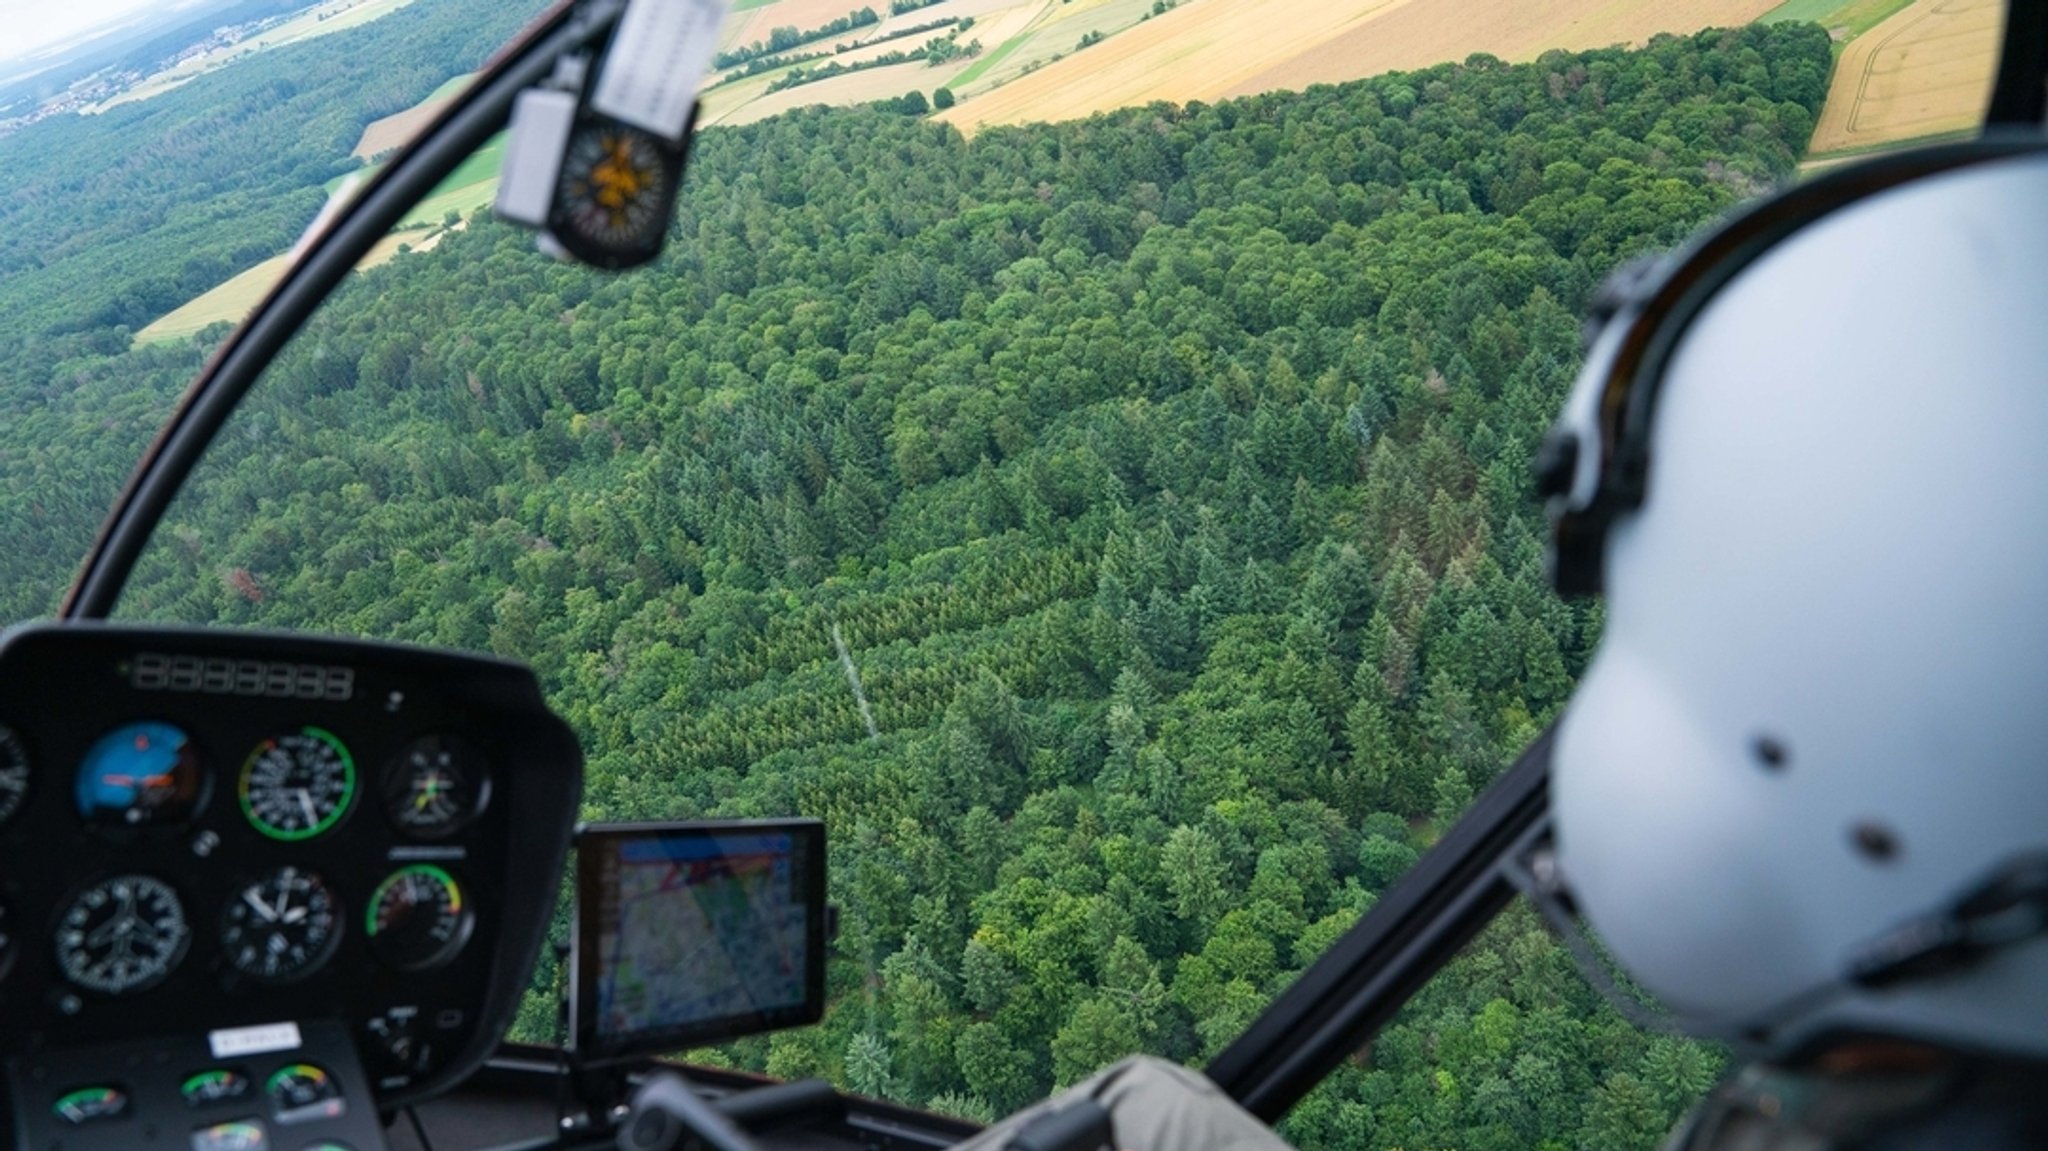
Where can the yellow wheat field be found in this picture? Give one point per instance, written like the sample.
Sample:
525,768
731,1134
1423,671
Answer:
1208,49
1926,70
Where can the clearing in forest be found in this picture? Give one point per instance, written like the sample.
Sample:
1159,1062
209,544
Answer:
1210,49
1925,71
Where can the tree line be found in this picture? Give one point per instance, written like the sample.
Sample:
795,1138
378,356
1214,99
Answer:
1164,473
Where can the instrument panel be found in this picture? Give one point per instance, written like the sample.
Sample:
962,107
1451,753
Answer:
206,833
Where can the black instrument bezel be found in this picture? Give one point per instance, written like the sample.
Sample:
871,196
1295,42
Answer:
59,689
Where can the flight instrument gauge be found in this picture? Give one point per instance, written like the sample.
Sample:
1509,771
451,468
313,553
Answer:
303,1091
13,773
140,775
122,935
417,918
299,785
435,787
281,927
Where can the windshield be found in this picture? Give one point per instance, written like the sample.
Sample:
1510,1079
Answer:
1110,516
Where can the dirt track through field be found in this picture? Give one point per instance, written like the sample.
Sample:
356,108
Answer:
1208,49
1924,71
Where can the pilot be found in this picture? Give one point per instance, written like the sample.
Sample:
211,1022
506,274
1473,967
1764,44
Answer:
1801,793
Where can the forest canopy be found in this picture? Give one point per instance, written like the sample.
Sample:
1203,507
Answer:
1164,476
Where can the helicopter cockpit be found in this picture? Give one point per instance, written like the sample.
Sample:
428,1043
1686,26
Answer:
286,865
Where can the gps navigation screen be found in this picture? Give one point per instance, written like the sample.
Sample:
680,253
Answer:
694,932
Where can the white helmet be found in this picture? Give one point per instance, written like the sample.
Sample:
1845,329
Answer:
1802,790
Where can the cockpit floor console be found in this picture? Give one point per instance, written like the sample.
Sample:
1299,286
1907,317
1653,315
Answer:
208,833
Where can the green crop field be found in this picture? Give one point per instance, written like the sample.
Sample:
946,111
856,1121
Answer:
1845,19
467,188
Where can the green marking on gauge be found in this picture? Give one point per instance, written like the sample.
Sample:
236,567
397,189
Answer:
213,1086
297,1072
89,1103
443,879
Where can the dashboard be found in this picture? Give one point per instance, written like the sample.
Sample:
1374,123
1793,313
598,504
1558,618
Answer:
263,882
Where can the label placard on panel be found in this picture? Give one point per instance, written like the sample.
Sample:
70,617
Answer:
258,1040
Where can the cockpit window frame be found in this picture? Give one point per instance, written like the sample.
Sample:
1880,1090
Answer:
1353,990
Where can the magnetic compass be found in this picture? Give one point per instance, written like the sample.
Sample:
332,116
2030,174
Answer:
616,193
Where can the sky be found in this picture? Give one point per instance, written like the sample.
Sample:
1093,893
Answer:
30,25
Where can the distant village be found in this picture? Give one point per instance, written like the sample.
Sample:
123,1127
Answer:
83,95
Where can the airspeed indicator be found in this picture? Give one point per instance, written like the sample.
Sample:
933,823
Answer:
296,786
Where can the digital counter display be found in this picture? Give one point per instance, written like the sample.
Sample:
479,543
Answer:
210,675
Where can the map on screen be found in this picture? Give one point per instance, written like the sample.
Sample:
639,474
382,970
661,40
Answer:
694,929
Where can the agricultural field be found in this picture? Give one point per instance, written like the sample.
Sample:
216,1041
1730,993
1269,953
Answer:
317,20
748,25
736,99
1908,68
1046,35
233,300
1844,19
1924,71
381,136
1209,49
853,88
469,188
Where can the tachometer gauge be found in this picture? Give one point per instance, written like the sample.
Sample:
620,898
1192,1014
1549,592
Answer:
302,1091
140,775
435,787
417,918
90,1104
122,935
13,774
297,786
282,927
212,1087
